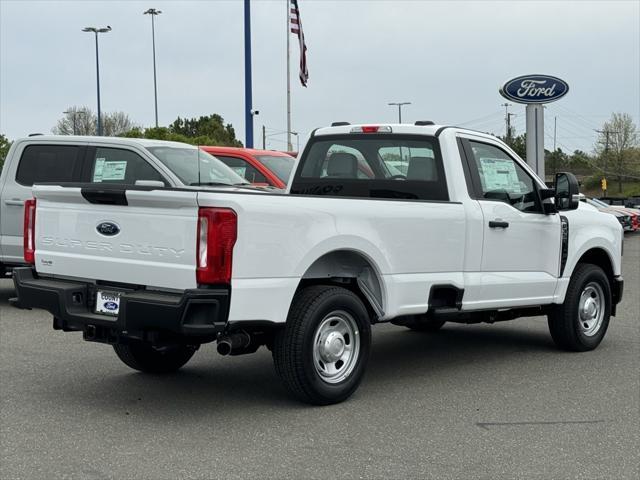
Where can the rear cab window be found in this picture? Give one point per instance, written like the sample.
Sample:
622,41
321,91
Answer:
373,166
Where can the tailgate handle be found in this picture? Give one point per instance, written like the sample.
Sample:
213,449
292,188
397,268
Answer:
104,196
15,202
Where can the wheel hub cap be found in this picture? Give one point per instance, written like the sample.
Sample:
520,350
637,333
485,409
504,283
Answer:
591,309
336,347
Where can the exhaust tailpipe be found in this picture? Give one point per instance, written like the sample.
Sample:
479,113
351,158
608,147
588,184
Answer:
232,343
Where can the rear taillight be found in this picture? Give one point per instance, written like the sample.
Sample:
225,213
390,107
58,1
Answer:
29,237
217,233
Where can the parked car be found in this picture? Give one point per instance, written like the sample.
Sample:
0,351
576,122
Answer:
258,167
633,212
98,160
628,220
470,234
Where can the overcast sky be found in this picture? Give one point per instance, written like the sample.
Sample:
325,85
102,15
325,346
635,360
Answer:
446,57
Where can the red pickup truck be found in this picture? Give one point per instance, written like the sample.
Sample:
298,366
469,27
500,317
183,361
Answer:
259,167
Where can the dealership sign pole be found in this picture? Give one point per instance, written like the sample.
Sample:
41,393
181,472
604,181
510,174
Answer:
534,91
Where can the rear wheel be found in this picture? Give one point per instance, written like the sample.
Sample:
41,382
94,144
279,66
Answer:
321,353
580,323
149,359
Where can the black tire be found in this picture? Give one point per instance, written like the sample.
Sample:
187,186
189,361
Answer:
568,329
145,358
430,325
298,361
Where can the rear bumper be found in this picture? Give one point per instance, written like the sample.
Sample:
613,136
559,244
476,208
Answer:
144,315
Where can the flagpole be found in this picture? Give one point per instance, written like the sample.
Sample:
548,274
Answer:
289,146
248,101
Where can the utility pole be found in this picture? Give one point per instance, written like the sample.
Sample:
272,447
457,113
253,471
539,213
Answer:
555,127
153,12
606,134
507,121
399,105
264,137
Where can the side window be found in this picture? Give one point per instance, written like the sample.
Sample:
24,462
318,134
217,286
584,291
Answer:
115,165
502,179
243,168
49,163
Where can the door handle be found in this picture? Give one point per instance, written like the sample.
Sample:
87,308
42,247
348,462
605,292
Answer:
15,202
498,224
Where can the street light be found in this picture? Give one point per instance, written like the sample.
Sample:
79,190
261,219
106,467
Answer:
399,104
73,114
96,31
153,12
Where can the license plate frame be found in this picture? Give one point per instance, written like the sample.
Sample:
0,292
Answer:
108,302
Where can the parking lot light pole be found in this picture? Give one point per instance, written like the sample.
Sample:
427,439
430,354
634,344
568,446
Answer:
399,105
73,114
96,31
153,12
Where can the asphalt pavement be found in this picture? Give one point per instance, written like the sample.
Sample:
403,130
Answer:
482,401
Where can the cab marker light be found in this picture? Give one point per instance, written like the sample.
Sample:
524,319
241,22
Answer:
372,129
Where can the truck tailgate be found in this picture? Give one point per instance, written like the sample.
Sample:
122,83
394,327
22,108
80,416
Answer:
149,240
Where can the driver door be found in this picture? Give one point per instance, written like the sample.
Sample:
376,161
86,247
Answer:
521,244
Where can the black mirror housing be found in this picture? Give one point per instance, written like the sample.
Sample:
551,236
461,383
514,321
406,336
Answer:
566,191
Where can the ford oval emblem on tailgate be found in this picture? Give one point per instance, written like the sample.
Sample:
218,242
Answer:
108,229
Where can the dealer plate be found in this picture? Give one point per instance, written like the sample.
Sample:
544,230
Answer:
107,302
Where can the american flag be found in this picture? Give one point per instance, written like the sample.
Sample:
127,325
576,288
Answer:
296,27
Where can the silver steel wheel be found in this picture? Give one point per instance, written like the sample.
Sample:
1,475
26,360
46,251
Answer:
336,346
591,309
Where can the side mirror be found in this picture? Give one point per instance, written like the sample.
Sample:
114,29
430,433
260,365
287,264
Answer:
567,191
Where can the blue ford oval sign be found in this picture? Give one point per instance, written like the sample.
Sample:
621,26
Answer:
534,89
108,229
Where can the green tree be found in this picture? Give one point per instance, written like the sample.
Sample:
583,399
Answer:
5,145
555,161
615,145
209,130
211,126
518,143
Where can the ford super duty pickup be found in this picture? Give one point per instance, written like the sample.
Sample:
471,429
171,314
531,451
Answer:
417,225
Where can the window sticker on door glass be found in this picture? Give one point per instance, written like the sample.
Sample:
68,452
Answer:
242,171
499,174
98,170
114,170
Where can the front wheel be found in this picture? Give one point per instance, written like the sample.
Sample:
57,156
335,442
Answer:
580,323
322,352
149,359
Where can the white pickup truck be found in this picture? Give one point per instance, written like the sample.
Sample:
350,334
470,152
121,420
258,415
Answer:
411,224
98,160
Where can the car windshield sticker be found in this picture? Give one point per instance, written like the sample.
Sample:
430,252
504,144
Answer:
114,170
240,171
499,174
99,168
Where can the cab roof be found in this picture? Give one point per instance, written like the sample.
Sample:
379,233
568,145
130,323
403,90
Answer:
396,128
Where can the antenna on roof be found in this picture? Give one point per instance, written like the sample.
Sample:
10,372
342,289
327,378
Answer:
198,160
